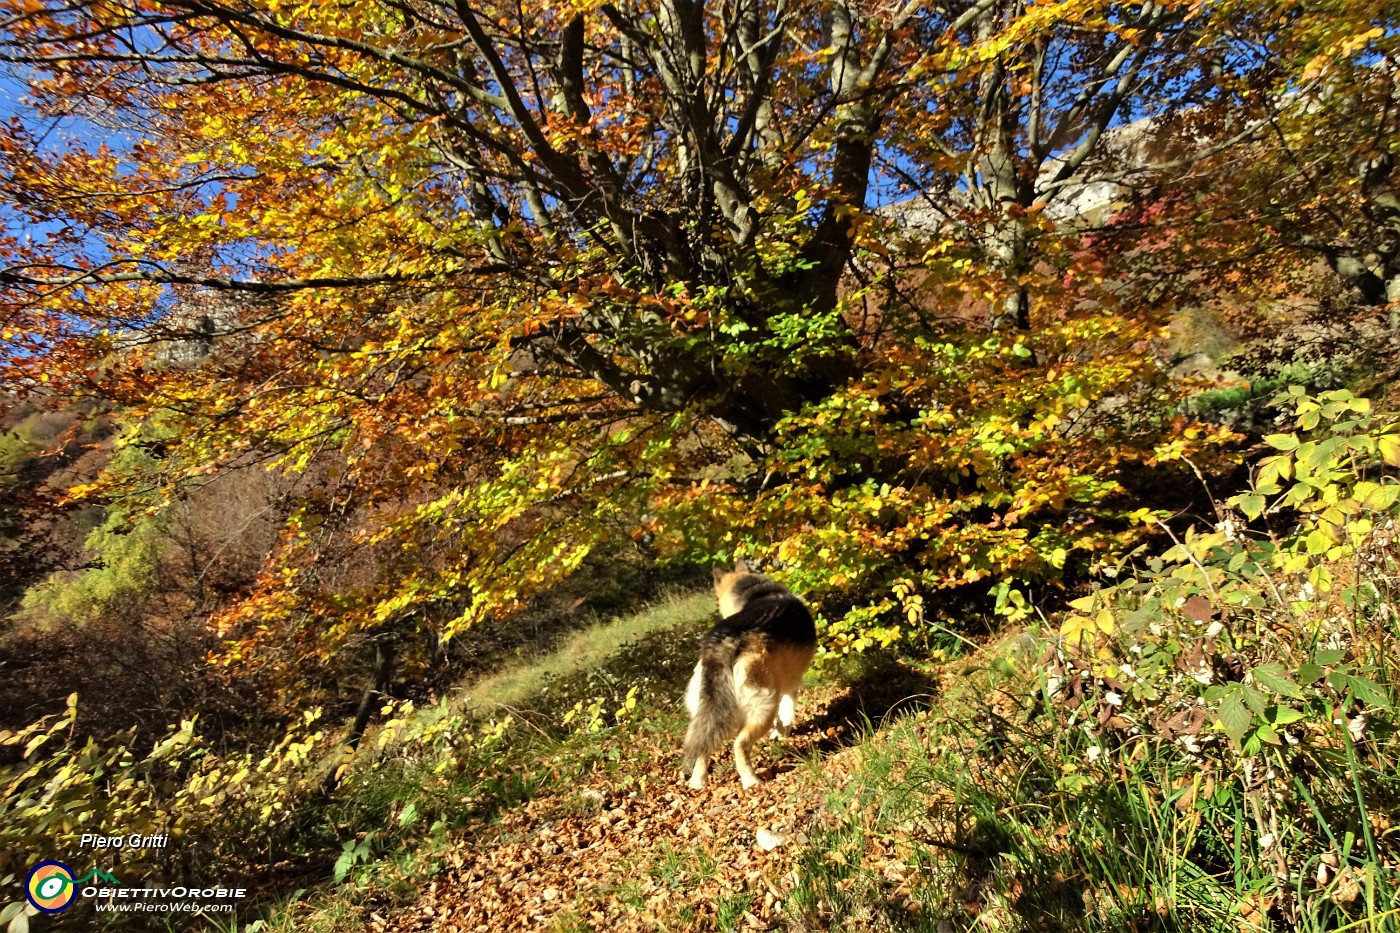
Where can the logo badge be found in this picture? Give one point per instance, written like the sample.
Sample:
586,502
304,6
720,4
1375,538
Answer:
50,887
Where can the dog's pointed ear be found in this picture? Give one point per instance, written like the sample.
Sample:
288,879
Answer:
741,565
716,574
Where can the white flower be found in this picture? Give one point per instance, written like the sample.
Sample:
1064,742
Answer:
1180,601
1215,629
1357,727
1052,686
1266,842
1127,671
1094,752
1112,699
1201,675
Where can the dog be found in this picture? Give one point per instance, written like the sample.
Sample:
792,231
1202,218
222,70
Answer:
751,665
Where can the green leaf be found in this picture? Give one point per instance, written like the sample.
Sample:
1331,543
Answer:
1380,498
1283,715
10,910
1324,453
1252,504
1234,718
347,860
1274,678
1281,441
1328,656
1318,542
1274,469
1310,673
1074,783
1364,690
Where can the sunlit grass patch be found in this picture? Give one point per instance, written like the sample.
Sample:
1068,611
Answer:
586,649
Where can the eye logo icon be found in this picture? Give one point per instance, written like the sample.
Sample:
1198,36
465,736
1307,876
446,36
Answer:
50,887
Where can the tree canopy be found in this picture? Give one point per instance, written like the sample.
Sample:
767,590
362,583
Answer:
820,281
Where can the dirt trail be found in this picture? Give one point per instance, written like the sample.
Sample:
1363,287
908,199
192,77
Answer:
652,855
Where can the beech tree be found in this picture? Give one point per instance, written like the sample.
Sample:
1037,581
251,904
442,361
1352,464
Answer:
520,278
1314,177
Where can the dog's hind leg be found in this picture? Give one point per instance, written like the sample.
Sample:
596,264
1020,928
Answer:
759,701
787,713
750,734
697,777
788,667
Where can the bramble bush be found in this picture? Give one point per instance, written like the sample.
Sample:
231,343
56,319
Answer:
1252,669
1207,743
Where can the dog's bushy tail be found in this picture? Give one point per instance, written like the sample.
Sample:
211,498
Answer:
719,718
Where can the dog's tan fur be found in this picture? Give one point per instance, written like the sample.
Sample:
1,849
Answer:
750,670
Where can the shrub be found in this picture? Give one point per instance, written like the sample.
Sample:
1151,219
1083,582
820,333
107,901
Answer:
966,468
1253,664
1207,744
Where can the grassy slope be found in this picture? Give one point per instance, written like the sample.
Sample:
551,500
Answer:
584,650
913,796
610,791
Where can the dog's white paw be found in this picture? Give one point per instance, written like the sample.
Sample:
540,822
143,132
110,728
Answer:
748,780
697,782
